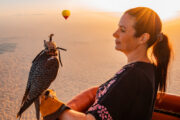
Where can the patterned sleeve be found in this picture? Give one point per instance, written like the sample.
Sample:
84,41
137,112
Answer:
120,96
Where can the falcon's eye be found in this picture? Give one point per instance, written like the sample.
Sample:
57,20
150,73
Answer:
47,93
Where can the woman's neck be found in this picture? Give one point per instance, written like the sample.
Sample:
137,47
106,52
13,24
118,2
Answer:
138,55
141,59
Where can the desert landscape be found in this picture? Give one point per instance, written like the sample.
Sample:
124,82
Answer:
89,61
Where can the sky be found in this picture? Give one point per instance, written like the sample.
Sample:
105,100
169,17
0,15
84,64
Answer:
165,8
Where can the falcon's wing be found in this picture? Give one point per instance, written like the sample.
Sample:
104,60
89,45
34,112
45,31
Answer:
33,68
40,78
43,76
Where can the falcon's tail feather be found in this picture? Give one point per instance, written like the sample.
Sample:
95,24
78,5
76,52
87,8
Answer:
24,107
25,96
37,107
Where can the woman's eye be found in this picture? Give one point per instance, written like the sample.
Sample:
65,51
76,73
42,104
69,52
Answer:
122,30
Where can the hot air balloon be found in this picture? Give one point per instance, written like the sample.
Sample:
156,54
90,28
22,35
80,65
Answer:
66,14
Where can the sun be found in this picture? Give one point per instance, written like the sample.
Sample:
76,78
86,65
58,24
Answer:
166,14
166,9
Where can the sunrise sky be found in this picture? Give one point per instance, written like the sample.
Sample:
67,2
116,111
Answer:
165,8
91,58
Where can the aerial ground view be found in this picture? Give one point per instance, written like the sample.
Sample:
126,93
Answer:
89,45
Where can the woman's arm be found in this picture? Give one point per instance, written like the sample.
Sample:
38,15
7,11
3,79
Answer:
74,115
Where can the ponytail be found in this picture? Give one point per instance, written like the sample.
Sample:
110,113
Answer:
162,54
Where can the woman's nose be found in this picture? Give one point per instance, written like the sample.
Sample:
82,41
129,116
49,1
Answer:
115,34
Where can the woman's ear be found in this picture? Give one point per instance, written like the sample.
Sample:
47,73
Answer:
144,38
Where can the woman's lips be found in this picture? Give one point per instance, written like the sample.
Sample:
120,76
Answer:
117,42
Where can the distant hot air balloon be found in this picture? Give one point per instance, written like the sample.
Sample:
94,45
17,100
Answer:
66,13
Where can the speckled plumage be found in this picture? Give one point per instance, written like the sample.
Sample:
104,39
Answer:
43,72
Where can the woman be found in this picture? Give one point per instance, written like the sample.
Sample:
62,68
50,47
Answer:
130,94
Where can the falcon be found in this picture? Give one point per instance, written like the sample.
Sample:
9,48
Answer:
43,72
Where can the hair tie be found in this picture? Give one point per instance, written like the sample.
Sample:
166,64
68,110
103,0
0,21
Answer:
160,37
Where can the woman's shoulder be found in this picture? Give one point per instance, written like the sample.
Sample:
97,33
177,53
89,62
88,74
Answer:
140,67
139,64
136,76
139,70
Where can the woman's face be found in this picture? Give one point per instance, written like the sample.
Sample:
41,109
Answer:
125,40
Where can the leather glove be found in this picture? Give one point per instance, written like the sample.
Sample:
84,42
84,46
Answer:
50,106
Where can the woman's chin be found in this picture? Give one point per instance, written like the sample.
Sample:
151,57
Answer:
117,48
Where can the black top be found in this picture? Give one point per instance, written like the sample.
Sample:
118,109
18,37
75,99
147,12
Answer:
129,95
